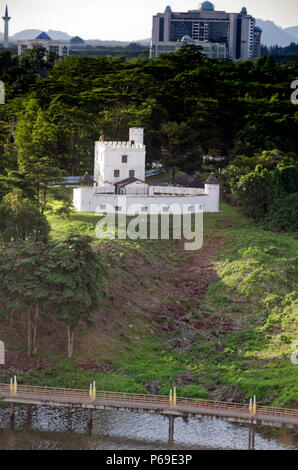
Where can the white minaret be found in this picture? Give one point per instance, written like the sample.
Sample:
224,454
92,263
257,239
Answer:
6,20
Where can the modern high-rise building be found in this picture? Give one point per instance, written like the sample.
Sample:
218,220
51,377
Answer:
237,32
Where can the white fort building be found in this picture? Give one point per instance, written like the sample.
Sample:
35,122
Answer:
119,184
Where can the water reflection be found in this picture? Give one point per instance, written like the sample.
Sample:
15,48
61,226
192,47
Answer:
61,429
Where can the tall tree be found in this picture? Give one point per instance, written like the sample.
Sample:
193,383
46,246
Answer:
22,287
181,149
20,220
77,282
38,141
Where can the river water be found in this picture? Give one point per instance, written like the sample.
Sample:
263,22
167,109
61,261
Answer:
41,427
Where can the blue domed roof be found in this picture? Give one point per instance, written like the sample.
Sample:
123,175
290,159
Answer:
168,8
207,6
243,11
259,30
186,38
77,40
44,36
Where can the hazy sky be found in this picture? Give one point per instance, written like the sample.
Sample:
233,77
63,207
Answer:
126,19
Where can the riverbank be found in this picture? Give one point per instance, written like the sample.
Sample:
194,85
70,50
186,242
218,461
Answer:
218,323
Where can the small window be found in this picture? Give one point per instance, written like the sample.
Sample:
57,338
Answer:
144,209
131,173
102,206
124,158
116,173
117,208
166,209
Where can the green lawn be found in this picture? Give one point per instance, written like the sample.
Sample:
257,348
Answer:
256,286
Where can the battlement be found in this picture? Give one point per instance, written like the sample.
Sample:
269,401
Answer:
121,145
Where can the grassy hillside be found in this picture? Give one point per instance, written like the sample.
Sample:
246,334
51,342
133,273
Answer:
217,323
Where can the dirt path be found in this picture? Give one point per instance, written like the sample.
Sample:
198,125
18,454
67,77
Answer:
191,282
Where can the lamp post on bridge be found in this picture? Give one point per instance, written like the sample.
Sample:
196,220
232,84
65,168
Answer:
2,353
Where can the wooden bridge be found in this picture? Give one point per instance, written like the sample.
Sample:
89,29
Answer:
172,406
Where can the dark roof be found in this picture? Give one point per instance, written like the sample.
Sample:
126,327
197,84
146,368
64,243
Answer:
77,40
86,179
44,36
212,179
192,181
127,181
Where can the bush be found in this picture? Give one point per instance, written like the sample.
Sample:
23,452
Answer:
255,192
79,227
283,214
193,391
21,221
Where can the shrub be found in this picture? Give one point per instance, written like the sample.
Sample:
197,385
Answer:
194,391
79,227
21,221
256,191
283,214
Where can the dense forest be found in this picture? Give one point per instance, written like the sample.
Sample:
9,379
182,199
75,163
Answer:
189,106
290,50
133,50
52,277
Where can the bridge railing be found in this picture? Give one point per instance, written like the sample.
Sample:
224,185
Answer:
272,410
38,391
133,397
42,393
238,408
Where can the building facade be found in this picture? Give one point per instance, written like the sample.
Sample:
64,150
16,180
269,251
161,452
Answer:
234,31
119,184
210,50
43,40
117,161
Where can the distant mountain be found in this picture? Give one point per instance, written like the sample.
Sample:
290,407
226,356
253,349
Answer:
144,42
273,34
33,33
98,42
293,31
26,34
58,35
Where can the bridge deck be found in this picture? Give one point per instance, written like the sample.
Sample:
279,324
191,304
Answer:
149,403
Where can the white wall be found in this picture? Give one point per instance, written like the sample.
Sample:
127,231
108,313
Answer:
108,157
136,135
179,191
89,201
213,193
136,188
